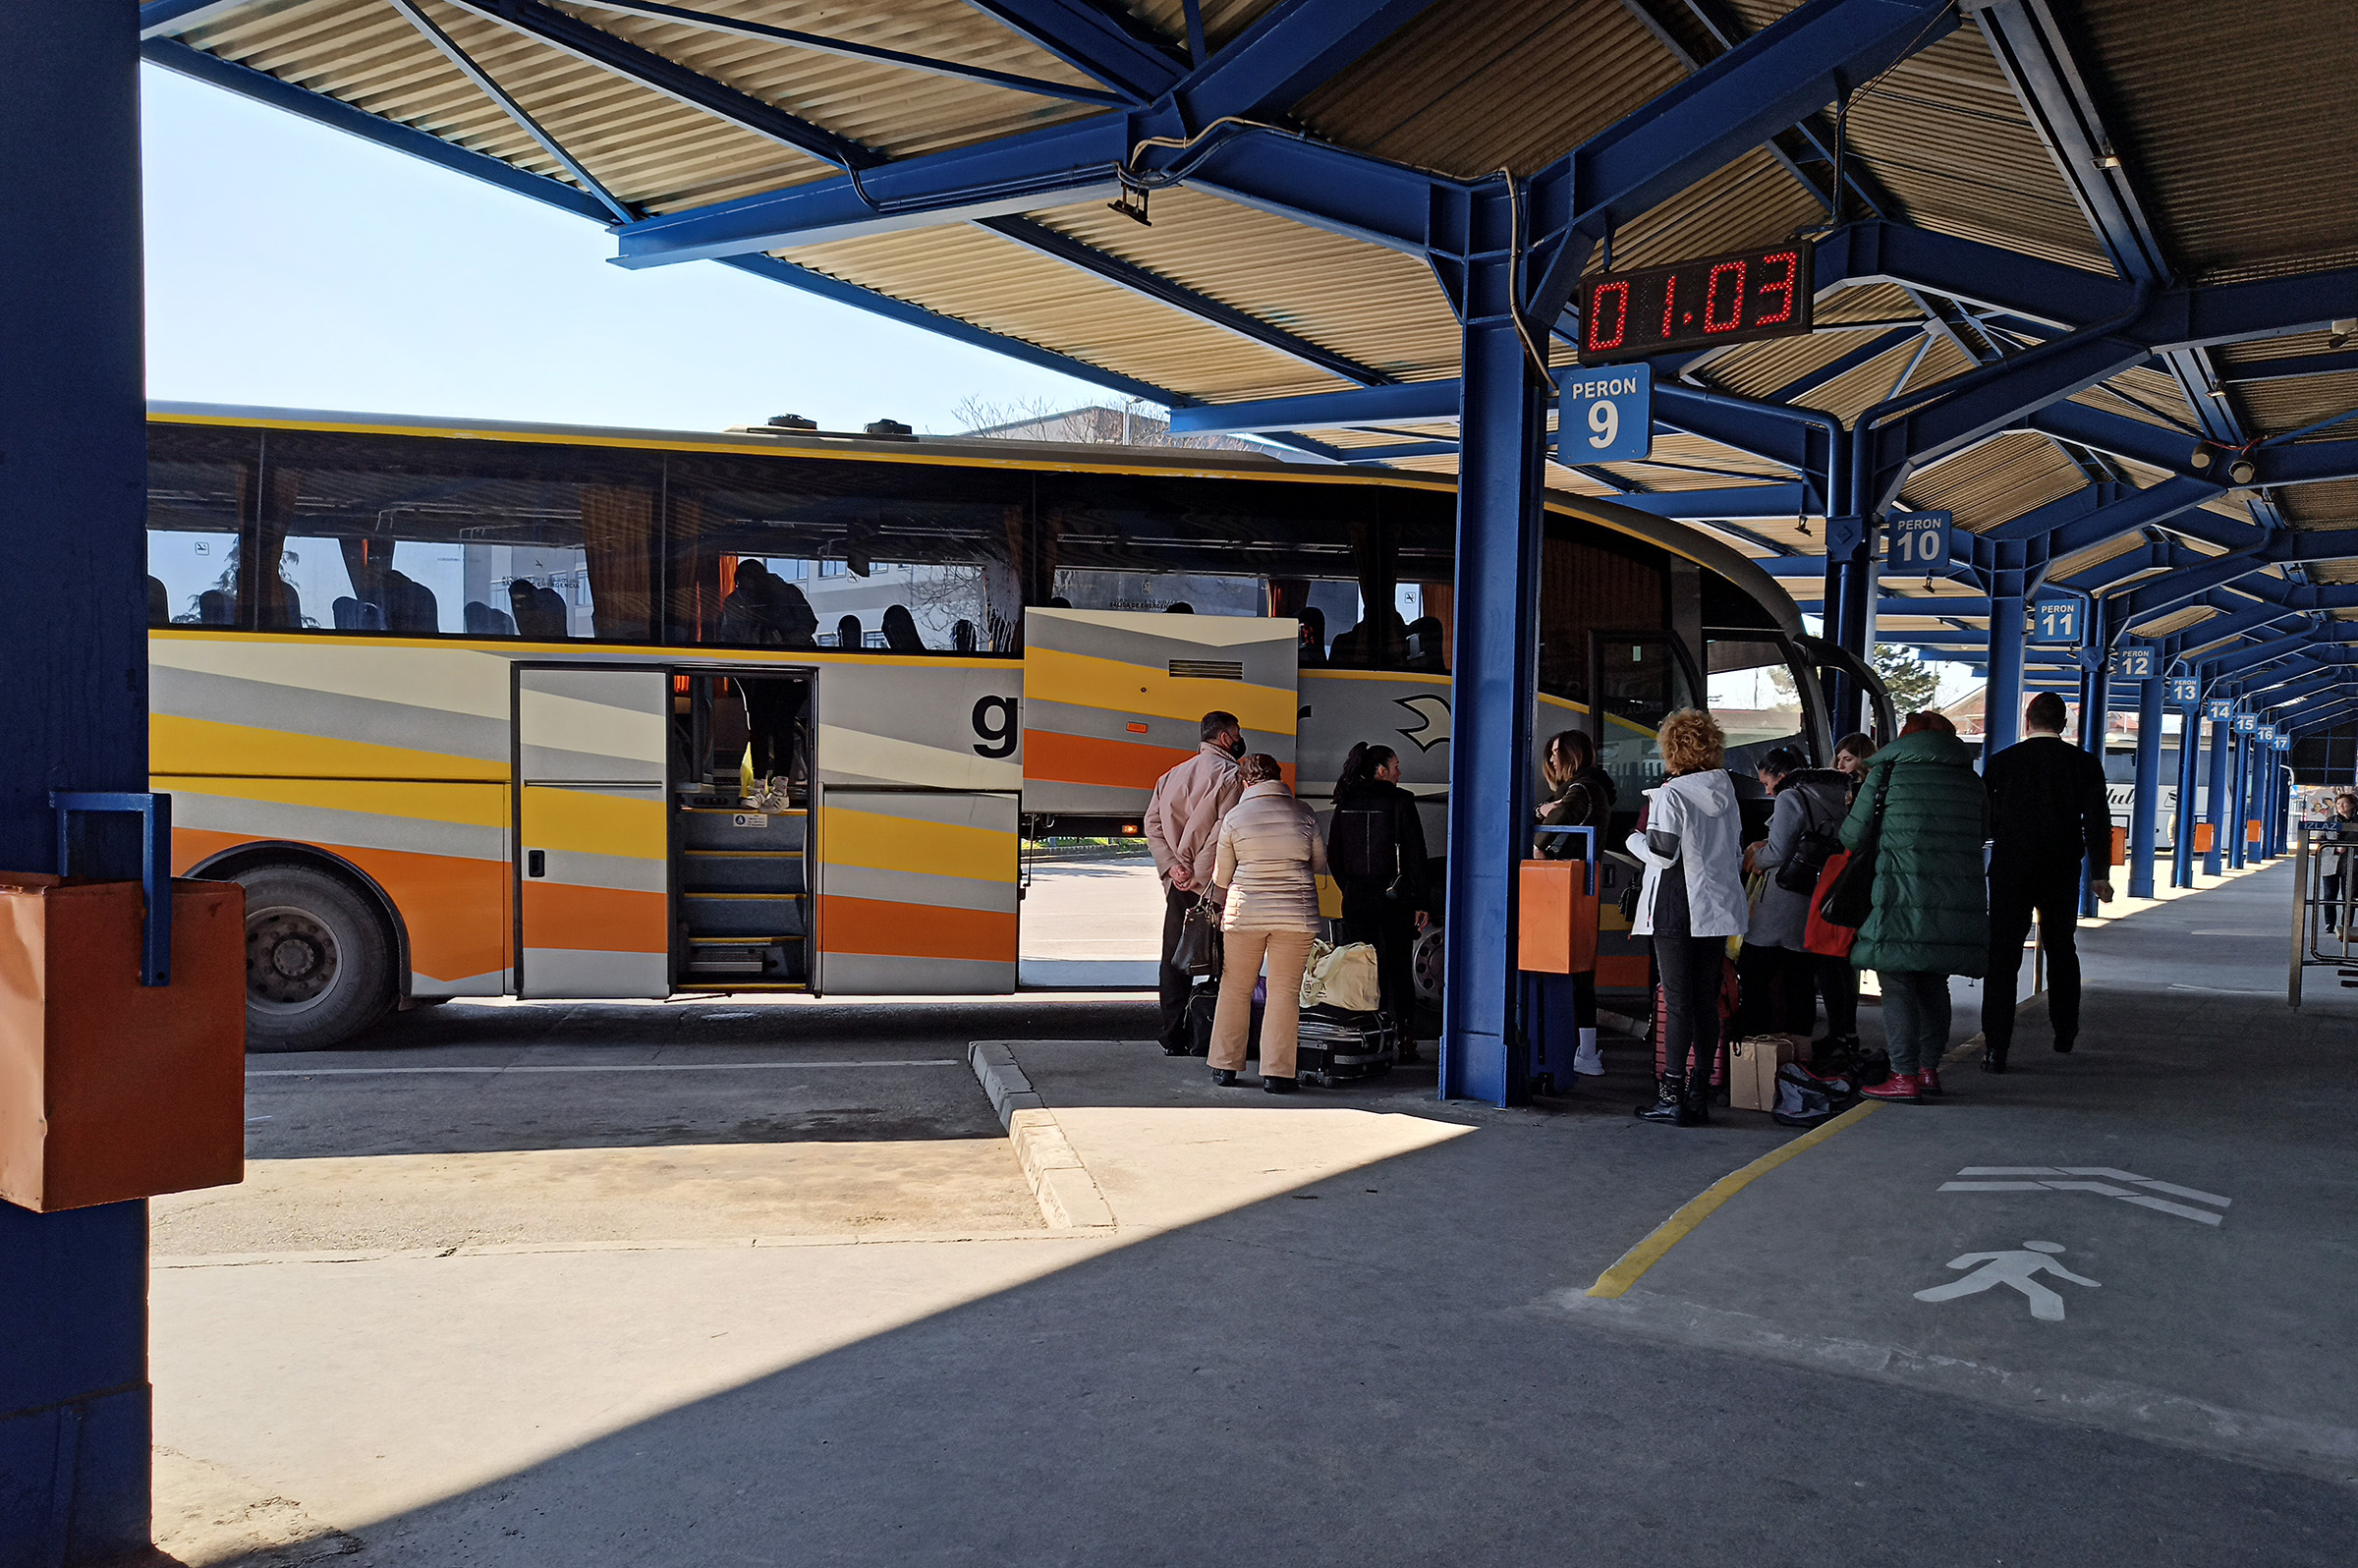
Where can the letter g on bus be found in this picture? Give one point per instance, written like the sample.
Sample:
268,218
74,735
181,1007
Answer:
995,722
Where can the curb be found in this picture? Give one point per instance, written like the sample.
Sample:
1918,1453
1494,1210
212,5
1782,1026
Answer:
1068,1196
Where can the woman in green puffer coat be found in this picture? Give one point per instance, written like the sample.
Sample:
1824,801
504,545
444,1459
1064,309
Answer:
1931,917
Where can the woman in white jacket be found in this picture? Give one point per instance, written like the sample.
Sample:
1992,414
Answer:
1267,864
1690,904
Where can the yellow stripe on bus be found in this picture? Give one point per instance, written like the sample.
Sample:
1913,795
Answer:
180,745
1084,680
587,823
899,844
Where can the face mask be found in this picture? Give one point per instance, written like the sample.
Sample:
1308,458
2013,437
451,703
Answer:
1236,746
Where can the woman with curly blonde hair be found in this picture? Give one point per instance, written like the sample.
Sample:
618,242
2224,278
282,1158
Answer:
1691,902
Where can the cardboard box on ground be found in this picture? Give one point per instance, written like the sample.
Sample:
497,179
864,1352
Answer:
1752,1065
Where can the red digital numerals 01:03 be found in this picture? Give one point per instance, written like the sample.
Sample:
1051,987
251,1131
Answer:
1724,294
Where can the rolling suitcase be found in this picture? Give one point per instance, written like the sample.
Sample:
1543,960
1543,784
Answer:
1337,1047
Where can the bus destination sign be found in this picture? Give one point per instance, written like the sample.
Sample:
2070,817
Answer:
1695,305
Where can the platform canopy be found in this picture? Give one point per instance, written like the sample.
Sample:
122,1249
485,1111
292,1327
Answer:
2084,269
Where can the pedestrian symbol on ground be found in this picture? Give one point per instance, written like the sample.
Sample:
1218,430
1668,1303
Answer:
2018,1270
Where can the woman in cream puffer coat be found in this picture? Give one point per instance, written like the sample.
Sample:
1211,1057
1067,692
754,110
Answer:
1266,866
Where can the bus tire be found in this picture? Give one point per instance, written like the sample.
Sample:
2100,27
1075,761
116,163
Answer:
1424,963
318,959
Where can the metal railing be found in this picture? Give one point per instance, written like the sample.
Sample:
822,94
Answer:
2324,898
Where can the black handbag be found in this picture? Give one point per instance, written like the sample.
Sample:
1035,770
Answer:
1199,947
1812,847
1852,896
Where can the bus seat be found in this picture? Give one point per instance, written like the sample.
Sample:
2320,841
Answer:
410,605
1425,640
553,613
484,621
159,602
216,607
962,637
900,631
356,615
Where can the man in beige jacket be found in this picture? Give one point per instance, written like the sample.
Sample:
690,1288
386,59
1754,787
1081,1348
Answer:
1183,830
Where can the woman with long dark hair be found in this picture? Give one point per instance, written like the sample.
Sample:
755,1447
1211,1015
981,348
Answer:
1577,794
1375,850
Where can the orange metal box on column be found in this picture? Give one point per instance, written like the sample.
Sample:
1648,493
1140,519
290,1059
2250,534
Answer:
1556,932
110,1090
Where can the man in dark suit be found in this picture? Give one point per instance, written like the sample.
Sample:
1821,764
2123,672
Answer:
2048,813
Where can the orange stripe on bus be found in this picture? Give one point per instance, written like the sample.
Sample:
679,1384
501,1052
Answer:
597,919
888,930
453,907
1057,759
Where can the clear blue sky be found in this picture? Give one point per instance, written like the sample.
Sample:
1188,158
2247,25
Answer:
292,265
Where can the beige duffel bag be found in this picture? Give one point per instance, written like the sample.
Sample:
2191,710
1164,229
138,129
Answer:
1341,977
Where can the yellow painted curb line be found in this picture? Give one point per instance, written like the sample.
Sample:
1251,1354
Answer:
1671,1232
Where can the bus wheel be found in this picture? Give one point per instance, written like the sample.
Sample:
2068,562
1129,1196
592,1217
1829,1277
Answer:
319,966
1424,959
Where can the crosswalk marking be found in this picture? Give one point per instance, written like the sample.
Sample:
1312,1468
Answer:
2054,1182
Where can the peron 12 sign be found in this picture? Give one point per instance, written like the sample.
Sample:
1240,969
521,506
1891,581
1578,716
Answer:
1722,298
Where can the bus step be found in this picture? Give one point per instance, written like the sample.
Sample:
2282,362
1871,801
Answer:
748,985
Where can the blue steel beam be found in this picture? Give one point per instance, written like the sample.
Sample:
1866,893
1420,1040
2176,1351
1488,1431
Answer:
1092,42
259,85
486,83
2291,368
1291,49
1088,258
160,18
1085,160
818,44
1796,66
570,34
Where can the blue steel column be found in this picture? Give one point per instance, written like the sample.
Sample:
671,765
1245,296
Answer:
2001,694
2190,751
2220,807
2145,813
2095,711
2242,796
74,1396
1494,678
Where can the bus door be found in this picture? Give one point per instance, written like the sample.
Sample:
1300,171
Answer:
919,772
593,836
1114,699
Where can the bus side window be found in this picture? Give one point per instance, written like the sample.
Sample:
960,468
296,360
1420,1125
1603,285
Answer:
421,538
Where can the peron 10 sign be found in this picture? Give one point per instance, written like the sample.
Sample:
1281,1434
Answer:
1695,305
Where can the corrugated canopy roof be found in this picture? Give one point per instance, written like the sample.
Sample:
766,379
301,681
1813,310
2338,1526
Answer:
2116,141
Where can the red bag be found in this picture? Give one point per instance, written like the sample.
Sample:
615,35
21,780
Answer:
1820,935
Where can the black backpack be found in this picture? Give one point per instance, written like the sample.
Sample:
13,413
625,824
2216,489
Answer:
1813,847
1360,846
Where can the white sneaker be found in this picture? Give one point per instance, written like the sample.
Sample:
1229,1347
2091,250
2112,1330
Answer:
1586,1061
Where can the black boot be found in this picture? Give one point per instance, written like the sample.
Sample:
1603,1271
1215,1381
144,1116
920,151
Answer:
1276,1086
1224,1077
1700,1097
1669,1103
1994,1058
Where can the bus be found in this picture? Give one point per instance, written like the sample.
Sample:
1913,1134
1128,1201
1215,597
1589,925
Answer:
479,709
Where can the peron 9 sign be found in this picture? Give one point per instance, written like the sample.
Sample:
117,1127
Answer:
1695,305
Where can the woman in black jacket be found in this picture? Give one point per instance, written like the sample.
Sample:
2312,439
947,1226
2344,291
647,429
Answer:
1375,853
1577,794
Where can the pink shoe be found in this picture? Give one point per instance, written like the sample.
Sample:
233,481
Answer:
1929,1081
1902,1088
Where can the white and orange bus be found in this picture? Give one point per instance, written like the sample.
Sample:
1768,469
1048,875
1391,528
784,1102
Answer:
474,710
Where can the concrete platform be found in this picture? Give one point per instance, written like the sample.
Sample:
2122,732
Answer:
1353,1328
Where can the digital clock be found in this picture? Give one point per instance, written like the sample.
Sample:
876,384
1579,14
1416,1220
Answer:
1695,305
